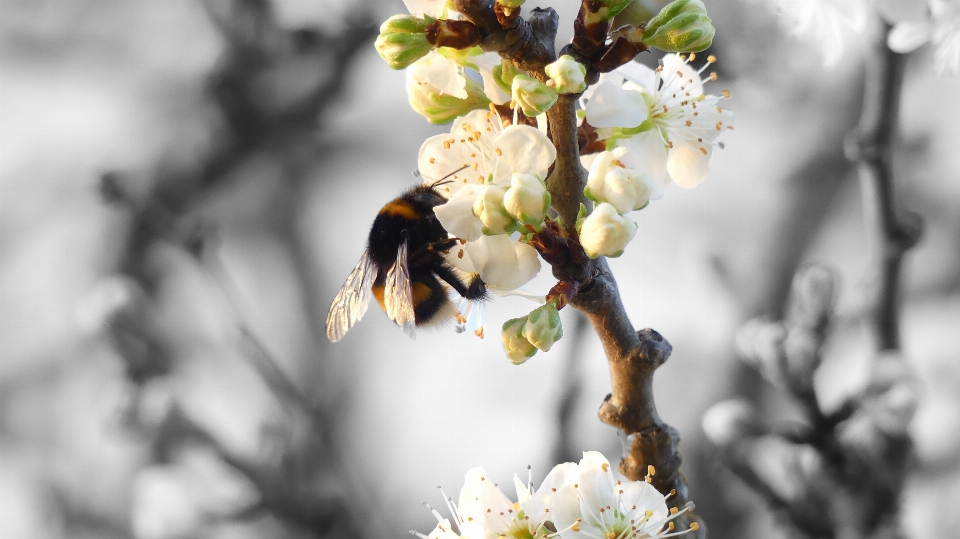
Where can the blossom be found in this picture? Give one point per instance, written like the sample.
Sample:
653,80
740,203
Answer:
827,22
543,328
605,232
503,264
606,507
531,95
515,343
496,515
941,27
402,41
662,116
616,178
479,150
681,26
566,75
527,200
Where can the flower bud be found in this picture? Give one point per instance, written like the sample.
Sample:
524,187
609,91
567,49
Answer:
402,41
439,108
532,96
488,207
605,232
527,200
681,26
543,327
615,178
566,75
730,421
503,75
518,348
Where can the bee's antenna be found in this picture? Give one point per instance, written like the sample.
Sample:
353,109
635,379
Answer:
416,173
444,179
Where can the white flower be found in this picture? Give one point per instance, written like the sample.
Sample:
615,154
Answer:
441,72
531,95
503,264
479,150
483,503
611,508
663,116
942,28
515,343
527,200
615,177
829,23
605,232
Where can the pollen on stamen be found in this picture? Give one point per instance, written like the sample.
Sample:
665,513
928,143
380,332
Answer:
703,150
689,123
604,466
498,151
651,470
726,93
433,160
694,526
711,59
719,125
478,332
713,75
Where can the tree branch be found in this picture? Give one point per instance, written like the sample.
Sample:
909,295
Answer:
871,148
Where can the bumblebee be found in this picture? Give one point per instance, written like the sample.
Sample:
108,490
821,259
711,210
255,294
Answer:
403,267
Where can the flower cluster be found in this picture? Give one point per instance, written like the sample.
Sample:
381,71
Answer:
574,501
659,127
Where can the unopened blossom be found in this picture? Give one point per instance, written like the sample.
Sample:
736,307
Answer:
527,200
479,150
605,232
543,327
609,508
616,177
532,96
681,26
515,343
663,116
497,516
941,27
440,107
402,41
488,207
827,23
566,75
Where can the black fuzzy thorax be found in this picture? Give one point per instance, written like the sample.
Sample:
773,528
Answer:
410,218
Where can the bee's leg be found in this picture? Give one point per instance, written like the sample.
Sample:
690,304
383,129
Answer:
477,289
444,245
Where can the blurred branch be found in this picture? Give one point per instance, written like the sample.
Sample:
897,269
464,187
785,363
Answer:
871,148
563,450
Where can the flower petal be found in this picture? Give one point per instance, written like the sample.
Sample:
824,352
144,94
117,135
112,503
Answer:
503,263
909,36
521,148
485,64
688,165
637,498
432,8
457,217
649,148
640,75
596,485
613,106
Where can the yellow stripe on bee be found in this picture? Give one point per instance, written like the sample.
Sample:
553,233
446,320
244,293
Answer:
421,293
378,294
400,208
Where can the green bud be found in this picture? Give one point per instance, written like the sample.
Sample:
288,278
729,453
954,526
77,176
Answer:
439,108
527,199
504,73
543,327
681,26
532,96
488,207
402,40
518,348
566,75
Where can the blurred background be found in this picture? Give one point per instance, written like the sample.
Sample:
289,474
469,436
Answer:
185,184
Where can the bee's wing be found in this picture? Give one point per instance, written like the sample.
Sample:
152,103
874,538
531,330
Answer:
352,299
398,293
